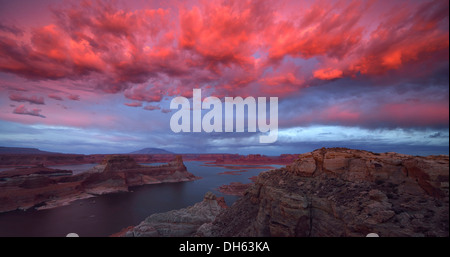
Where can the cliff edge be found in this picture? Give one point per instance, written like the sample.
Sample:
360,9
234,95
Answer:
43,187
344,192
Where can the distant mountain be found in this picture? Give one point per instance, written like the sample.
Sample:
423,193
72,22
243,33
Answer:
151,151
22,150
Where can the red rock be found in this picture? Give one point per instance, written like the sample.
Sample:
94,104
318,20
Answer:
123,232
234,188
350,193
25,188
221,202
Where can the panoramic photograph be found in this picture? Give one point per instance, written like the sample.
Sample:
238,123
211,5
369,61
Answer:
224,119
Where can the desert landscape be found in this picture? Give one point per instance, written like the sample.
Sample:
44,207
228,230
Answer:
224,119
327,192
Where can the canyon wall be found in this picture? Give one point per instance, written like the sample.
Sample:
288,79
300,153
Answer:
343,192
42,187
13,160
334,192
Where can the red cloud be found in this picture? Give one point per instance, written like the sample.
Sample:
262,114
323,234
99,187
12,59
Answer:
31,99
408,36
74,97
230,47
121,48
55,97
287,78
415,114
323,29
384,115
11,29
328,74
341,114
23,110
134,104
221,34
150,93
88,39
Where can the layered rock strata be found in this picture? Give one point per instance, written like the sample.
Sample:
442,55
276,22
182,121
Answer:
42,187
343,192
330,192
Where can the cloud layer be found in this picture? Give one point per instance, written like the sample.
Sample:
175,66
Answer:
21,109
370,64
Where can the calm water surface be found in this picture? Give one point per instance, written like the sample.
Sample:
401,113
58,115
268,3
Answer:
108,214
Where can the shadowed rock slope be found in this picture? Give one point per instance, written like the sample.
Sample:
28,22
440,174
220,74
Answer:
344,192
183,222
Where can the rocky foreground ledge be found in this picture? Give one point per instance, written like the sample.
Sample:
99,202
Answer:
180,223
336,192
43,187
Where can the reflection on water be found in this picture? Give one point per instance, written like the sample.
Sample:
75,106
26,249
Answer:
153,164
108,214
75,168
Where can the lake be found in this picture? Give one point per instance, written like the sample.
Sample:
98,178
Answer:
108,214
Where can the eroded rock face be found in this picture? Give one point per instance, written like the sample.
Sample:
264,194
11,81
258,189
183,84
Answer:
118,173
234,188
183,222
25,188
343,192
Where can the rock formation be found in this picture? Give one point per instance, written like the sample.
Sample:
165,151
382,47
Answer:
118,173
234,188
343,192
179,223
46,188
14,159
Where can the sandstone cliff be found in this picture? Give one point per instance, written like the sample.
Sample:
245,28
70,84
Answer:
234,188
14,160
118,173
46,188
343,192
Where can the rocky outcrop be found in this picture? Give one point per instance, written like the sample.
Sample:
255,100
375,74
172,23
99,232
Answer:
234,188
179,223
343,192
23,188
36,170
118,173
256,159
44,188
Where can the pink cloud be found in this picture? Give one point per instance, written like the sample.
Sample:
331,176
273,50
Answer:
74,97
322,30
340,114
55,97
412,35
147,93
30,99
391,114
235,47
416,114
24,111
215,42
328,74
134,104
152,107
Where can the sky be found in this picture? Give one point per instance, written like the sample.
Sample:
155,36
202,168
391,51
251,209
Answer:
98,76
